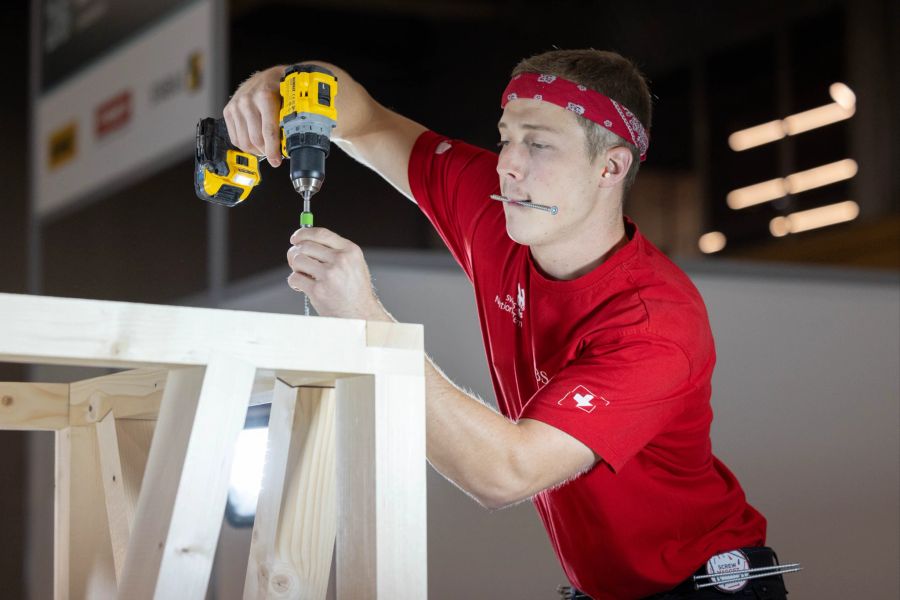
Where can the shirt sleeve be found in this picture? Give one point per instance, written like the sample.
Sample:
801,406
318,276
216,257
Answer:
451,182
615,398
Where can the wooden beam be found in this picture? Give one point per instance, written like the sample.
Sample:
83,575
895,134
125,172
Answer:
40,329
62,513
118,511
134,394
299,562
269,504
34,406
180,508
381,544
83,560
385,334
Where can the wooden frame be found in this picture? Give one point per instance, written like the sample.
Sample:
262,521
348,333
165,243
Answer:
135,519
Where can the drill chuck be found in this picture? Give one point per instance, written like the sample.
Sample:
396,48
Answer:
308,151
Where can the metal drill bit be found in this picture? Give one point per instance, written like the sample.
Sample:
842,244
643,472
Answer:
550,209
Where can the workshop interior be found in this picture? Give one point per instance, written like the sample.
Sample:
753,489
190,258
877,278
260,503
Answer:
772,179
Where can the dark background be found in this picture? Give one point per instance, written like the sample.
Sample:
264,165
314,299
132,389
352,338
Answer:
714,67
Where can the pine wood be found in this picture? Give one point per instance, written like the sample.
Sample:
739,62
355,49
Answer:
143,457
34,406
381,542
83,559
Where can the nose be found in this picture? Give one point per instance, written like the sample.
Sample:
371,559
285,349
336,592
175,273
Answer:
511,164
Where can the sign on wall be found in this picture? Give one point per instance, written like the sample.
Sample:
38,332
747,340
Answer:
120,87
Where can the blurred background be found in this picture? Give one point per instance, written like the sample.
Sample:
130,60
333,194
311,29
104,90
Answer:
772,178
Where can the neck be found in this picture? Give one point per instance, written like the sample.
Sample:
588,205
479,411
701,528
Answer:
581,253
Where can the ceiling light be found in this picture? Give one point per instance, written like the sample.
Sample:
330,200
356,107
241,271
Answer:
712,242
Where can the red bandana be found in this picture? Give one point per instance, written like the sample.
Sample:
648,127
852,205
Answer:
591,105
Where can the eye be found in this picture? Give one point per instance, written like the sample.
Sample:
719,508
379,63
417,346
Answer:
537,146
502,143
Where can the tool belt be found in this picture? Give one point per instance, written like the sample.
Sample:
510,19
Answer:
727,573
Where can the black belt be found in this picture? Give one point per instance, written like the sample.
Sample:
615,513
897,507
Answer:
755,559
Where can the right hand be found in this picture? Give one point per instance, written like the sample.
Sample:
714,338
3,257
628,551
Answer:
252,115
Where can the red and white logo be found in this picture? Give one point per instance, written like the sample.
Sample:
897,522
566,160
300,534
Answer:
113,114
583,398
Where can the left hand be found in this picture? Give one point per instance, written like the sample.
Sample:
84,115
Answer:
332,271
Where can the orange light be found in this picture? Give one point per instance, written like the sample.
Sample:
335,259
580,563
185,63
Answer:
815,218
712,242
843,107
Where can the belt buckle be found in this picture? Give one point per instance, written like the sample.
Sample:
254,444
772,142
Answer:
728,571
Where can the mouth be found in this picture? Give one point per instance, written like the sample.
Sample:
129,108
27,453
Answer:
525,202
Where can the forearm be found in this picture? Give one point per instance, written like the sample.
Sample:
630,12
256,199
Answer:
468,443
471,445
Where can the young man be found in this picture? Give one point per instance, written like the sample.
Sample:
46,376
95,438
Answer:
599,346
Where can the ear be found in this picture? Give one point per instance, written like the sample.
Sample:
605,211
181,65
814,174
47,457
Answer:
615,166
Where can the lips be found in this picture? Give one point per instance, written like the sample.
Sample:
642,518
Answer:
518,197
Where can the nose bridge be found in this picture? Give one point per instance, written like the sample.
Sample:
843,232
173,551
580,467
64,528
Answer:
511,162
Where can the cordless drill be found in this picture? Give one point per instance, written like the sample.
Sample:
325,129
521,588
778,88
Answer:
225,175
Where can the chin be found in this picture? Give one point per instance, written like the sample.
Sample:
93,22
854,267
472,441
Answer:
522,231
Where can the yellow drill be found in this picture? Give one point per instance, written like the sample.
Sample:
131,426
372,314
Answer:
307,117
225,175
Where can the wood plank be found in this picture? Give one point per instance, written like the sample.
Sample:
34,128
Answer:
381,544
83,560
293,560
118,510
62,513
135,437
42,329
182,501
34,406
386,334
268,506
153,512
308,524
134,394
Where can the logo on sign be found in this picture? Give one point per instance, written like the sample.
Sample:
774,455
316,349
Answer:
113,114
189,78
62,145
582,398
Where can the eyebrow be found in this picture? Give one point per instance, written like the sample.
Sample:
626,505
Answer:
530,126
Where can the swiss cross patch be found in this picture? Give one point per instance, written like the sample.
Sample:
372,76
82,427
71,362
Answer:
583,398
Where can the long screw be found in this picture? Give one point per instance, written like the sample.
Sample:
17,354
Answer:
306,220
550,209
738,576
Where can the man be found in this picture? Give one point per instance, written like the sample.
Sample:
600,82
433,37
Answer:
599,347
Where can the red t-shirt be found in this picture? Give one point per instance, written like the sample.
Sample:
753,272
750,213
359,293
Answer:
621,359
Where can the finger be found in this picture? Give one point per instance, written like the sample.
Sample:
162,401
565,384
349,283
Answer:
240,138
253,120
326,237
300,263
268,109
301,283
229,124
315,250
